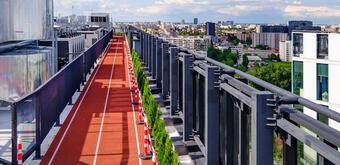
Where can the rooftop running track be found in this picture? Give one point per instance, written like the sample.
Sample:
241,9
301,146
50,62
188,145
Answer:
100,128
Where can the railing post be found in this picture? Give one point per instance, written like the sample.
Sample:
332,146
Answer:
173,80
150,54
159,63
38,128
14,134
165,70
142,45
261,134
153,57
211,116
187,96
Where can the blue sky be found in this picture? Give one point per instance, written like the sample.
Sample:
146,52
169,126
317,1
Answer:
242,11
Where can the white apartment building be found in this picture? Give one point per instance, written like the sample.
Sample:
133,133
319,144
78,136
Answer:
285,51
189,42
315,76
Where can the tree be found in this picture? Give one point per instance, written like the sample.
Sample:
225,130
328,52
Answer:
277,73
245,60
273,58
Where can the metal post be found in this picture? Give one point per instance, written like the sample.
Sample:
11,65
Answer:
211,116
142,45
154,54
14,135
187,96
173,80
150,54
159,63
165,69
38,128
261,134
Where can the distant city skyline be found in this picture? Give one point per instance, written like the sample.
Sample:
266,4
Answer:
241,11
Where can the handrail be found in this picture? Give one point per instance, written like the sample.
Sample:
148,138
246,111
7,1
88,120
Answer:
332,114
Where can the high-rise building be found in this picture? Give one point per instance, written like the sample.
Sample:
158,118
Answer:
272,40
315,76
183,21
195,21
301,25
210,29
272,29
285,51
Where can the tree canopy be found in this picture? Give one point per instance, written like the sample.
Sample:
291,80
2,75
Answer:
277,73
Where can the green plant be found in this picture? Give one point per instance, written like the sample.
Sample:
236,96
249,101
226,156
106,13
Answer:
163,145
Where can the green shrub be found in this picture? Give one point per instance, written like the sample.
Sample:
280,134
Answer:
165,153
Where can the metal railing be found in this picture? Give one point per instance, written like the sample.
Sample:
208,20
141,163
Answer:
35,114
231,121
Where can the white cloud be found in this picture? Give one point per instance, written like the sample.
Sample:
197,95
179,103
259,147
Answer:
318,11
239,9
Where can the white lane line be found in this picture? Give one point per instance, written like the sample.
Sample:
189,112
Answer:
81,101
104,110
134,116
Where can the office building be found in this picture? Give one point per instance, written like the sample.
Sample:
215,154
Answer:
285,51
272,40
315,76
272,29
195,21
210,29
301,25
100,20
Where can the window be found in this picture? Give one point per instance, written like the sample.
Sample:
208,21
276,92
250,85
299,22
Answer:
96,19
297,77
100,19
322,82
92,19
297,44
104,19
322,48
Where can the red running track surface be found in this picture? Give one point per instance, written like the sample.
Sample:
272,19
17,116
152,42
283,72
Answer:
90,136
